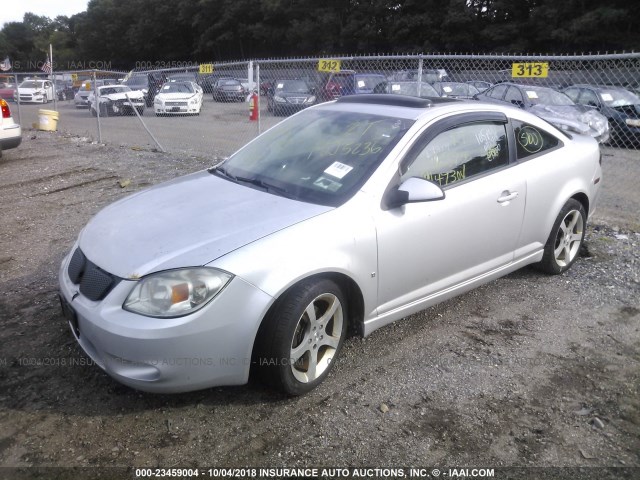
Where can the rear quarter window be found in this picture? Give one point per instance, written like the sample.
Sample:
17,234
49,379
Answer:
532,140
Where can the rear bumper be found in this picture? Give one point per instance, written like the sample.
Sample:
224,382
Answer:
11,137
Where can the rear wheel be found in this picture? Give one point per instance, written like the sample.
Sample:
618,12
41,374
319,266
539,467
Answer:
563,246
304,333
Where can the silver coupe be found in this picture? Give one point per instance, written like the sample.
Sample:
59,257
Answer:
342,218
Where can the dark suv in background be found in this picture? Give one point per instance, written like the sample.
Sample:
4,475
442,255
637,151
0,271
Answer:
149,83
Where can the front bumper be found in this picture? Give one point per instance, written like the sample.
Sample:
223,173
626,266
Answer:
210,347
81,102
165,109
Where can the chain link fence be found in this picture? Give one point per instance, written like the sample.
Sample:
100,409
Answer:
241,99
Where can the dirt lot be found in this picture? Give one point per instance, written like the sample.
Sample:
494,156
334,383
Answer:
527,371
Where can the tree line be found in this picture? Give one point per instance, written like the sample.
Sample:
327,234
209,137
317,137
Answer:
123,32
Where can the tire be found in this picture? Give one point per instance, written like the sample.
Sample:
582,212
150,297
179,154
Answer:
93,112
302,335
564,243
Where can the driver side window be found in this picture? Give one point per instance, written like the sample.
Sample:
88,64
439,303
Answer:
460,153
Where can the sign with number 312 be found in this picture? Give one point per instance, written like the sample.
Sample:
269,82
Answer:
329,65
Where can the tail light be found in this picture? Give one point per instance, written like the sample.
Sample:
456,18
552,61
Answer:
6,113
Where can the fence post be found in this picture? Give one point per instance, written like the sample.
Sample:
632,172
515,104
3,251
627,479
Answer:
95,98
143,124
257,87
420,65
18,101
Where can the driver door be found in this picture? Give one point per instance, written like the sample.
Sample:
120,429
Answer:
426,249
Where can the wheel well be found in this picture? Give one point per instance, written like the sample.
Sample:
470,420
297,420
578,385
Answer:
584,200
352,292
355,314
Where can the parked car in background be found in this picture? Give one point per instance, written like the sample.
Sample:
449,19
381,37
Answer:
455,89
64,90
289,96
348,82
413,89
228,90
81,97
429,75
178,98
480,84
182,77
248,85
10,131
148,83
8,91
551,105
36,91
116,100
345,217
619,105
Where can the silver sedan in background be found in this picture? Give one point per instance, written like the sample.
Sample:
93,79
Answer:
345,217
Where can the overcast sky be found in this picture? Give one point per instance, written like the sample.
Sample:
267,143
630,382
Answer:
14,10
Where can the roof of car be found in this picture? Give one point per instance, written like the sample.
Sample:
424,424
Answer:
395,100
598,87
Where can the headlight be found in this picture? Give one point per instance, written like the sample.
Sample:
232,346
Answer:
157,101
310,100
144,91
193,101
278,98
175,293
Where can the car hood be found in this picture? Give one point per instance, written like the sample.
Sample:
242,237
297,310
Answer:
285,93
175,96
134,95
575,118
189,221
31,90
632,111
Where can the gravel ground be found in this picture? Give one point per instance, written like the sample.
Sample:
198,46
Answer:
527,371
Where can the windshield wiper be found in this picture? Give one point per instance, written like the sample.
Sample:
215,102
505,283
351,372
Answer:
221,172
268,187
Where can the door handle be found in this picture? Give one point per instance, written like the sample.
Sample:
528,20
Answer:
507,196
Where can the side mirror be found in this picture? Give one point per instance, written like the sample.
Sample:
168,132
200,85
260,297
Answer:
412,190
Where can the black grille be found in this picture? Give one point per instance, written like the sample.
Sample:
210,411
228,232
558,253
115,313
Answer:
94,282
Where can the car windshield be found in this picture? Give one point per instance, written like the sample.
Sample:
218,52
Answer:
461,89
137,80
411,89
619,98
31,84
295,86
114,89
546,96
318,156
177,87
182,78
368,81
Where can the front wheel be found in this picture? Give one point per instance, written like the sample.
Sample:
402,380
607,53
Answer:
299,340
563,246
